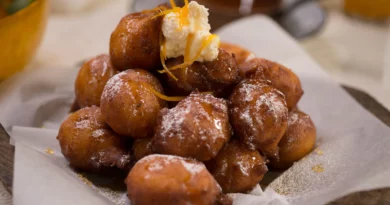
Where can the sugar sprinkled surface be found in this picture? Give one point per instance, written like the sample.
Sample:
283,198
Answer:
161,161
244,167
113,86
252,102
82,124
300,180
191,108
97,133
293,117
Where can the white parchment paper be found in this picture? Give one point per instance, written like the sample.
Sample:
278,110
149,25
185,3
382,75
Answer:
353,146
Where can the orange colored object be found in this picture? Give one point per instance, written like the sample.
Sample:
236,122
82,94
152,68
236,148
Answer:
20,35
369,9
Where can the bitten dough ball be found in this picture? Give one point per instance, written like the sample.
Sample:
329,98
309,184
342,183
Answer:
259,115
135,41
91,79
298,141
218,76
89,144
280,77
236,168
197,127
129,105
165,179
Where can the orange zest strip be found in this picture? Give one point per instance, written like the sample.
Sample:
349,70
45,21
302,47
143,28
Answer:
204,44
163,56
162,13
187,62
190,39
162,96
173,4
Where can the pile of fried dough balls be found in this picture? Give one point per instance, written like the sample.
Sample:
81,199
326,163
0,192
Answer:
238,116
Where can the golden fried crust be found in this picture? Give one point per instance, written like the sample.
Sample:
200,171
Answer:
129,106
280,77
142,148
241,54
258,113
298,141
164,179
92,78
236,168
218,76
135,41
89,144
197,127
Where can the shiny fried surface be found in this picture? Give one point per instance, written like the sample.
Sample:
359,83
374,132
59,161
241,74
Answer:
241,54
236,168
90,145
165,179
218,76
135,41
197,127
142,148
298,141
128,105
92,78
258,113
281,77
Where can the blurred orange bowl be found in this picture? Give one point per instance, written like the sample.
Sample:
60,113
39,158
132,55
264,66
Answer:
20,35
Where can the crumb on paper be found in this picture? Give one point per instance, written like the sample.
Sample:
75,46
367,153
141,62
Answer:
281,192
318,168
85,180
318,151
49,151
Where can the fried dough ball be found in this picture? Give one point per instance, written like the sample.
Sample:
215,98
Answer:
280,76
298,141
236,168
165,179
218,76
142,148
258,113
129,105
91,80
135,41
197,127
241,54
90,145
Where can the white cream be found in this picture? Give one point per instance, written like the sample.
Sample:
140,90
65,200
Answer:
176,35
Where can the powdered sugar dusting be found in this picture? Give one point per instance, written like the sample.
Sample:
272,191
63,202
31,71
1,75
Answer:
193,168
113,86
192,110
98,133
278,108
254,104
83,124
157,165
294,116
159,162
244,167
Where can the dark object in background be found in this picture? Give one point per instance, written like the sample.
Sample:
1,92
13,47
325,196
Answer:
17,5
300,18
